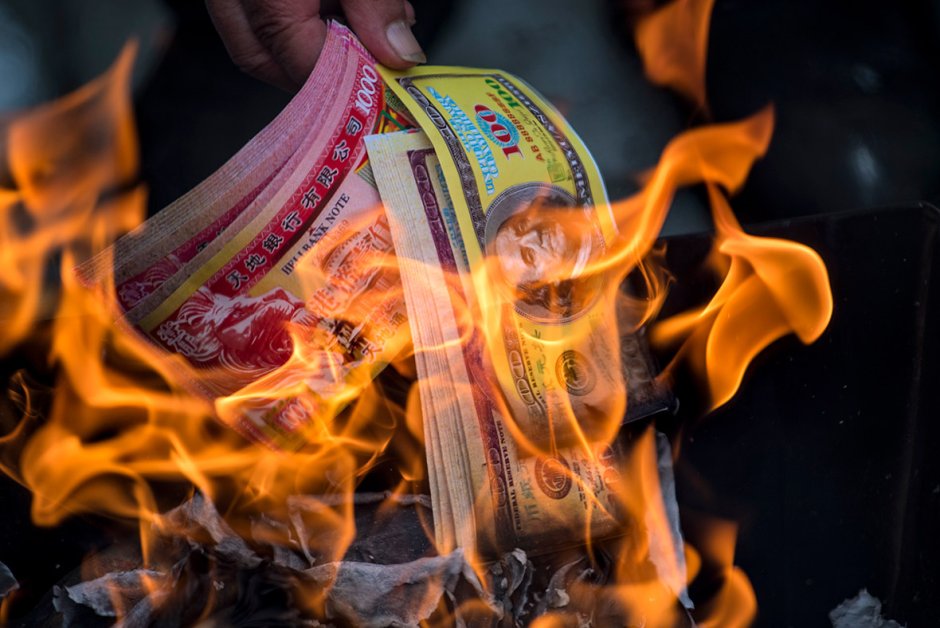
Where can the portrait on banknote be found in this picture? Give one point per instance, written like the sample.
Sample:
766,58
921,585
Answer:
542,244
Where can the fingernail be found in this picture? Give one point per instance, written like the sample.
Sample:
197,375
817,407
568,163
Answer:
404,43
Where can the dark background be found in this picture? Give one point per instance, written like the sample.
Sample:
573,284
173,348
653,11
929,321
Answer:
826,458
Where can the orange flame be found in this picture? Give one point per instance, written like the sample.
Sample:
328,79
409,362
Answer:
734,604
5,605
719,154
62,156
673,43
772,288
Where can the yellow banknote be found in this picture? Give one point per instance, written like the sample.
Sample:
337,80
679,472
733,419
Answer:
487,494
534,219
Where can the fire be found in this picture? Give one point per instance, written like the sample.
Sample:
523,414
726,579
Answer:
772,288
716,155
719,154
117,426
673,42
62,157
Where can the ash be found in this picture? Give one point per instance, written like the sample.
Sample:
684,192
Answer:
207,574
861,611
389,576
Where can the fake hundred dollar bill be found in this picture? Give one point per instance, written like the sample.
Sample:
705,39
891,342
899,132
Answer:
533,219
497,216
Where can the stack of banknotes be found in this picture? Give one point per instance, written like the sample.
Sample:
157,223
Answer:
230,273
448,210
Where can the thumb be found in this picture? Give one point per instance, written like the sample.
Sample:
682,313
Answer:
384,26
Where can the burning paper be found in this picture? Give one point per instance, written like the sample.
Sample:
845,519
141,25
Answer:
522,495
271,297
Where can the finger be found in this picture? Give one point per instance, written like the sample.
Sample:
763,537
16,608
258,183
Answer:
291,30
384,26
243,47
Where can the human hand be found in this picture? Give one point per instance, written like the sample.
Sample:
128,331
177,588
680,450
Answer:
279,41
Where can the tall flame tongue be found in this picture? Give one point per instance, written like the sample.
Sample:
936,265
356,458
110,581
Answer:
673,42
62,157
772,288
719,154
